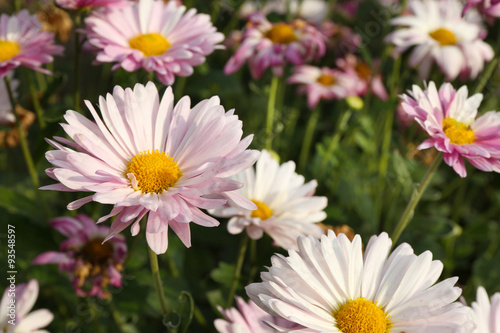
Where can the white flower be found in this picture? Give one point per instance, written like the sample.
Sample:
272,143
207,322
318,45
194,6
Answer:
486,313
286,207
440,33
330,286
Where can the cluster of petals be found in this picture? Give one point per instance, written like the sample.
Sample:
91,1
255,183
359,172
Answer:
249,318
489,8
87,4
449,118
486,312
19,319
330,284
267,45
194,150
24,43
439,33
161,38
286,206
85,257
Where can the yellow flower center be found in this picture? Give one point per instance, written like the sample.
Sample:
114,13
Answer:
153,171
458,132
150,44
281,33
263,211
8,50
362,316
326,80
444,36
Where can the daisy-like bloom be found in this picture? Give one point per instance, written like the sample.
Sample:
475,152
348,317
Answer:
17,301
91,264
265,44
486,313
23,43
330,286
161,38
249,318
286,207
440,34
449,117
145,155
324,83
88,4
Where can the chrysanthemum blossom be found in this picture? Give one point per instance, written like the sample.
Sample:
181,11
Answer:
18,319
91,264
265,45
439,33
23,43
324,83
449,117
286,207
161,38
145,155
486,312
88,4
331,286
249,318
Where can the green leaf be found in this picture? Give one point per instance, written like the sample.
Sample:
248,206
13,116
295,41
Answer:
224,274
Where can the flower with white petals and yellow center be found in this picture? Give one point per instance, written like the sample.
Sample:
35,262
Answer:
286,207
147,156
438,32
331,286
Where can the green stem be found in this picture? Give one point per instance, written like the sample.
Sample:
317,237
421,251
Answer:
76,82
308,136
492,65
179,86
36,101
151,76
342,124
271,105
410,207
22,138
237,270
155,270
116,317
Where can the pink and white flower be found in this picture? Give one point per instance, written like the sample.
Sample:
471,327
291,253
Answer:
332,286
91,264
249,318
24,43
489,8
486,312
147,155
285,206
440,34
265,45
324,83
161,38
449,117
20,320
79,4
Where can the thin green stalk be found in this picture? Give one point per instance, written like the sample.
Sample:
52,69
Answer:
22,138
308,136
237,270
271,106
155,270
492,66
410,207
341,127
151,76
116,316
216,10
36,102
180,84
78,51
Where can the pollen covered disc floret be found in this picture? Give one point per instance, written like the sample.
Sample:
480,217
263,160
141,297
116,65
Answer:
8,50
361,316
151,44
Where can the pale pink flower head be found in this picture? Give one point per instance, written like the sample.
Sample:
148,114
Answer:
324,83
267,45
449,117
146,155
331,285
17,301
249,318
161,38
286,207
92,265
24,43
438,33
486,312
489,8
88,4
